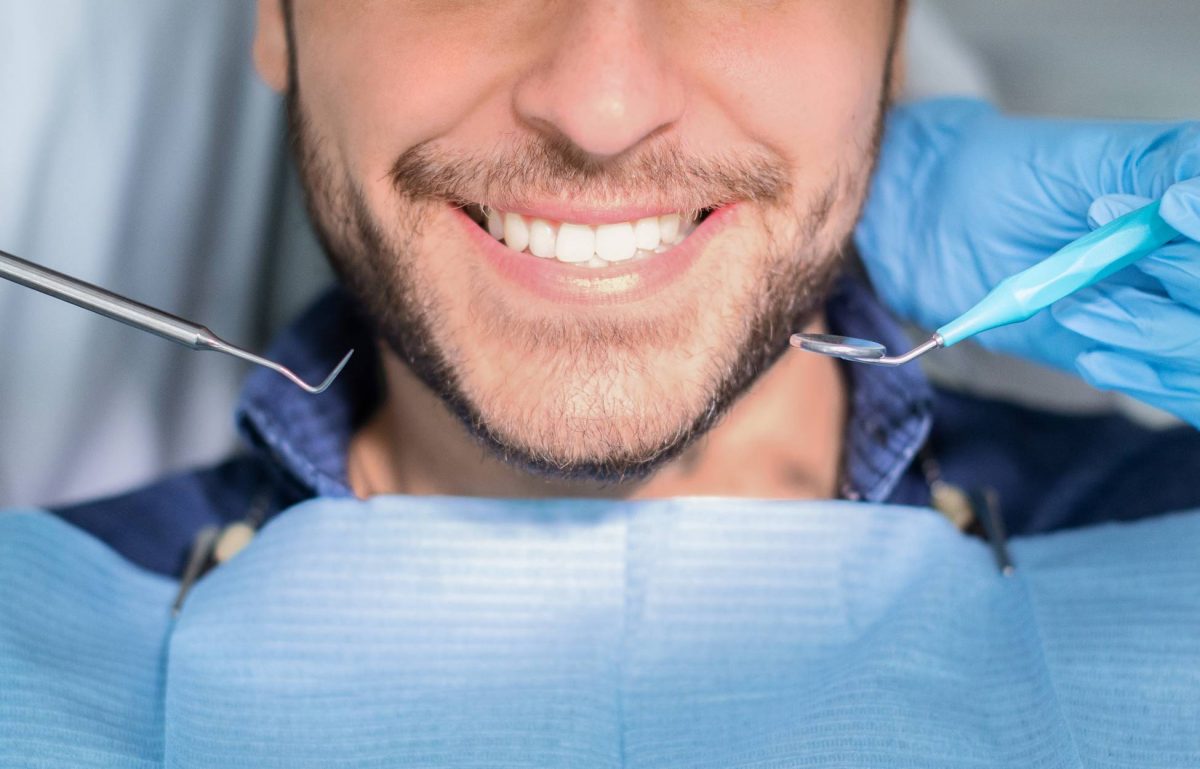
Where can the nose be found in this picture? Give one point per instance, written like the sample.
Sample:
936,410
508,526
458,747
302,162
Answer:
603,82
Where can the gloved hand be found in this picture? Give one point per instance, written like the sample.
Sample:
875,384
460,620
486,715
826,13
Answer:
1144,324
964,196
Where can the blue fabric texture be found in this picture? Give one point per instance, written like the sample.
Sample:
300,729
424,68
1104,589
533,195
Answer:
83,641
441,632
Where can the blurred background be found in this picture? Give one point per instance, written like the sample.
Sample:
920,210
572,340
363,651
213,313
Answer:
1097,58
139,151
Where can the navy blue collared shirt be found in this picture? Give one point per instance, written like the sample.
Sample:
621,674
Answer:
1048,471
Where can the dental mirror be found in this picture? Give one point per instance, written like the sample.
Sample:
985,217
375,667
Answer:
1019,297
860,350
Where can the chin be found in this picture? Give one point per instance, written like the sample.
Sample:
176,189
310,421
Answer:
607,428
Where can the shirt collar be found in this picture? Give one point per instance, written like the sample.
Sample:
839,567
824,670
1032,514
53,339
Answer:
308,436
890,409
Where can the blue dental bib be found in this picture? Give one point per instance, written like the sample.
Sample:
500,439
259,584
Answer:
440,632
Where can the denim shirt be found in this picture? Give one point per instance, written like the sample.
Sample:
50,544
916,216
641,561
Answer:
1047,471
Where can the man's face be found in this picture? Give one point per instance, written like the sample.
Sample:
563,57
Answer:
673,181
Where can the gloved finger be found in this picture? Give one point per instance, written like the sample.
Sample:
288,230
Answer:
1174,391
1177,268
1144,325
1153,162
1133,277
1181,207
1104,209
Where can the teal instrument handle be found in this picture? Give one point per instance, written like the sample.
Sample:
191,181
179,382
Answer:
1088,260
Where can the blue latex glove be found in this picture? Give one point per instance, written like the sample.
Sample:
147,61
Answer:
965,196
1145,323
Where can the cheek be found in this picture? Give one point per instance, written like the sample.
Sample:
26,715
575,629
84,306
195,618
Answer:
804,78
376,82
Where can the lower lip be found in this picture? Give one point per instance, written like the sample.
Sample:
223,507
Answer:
619,283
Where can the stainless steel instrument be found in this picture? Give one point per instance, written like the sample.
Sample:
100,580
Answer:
141,316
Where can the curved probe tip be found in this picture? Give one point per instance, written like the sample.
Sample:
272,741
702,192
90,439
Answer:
214,343
328,380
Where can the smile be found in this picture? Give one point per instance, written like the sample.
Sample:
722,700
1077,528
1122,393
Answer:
592,245
584,257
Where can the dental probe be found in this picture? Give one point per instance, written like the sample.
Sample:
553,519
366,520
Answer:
1019,297
141,316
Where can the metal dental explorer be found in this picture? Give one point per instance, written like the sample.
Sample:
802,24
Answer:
1019,297
141,316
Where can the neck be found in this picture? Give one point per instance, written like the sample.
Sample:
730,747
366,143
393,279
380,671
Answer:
782,439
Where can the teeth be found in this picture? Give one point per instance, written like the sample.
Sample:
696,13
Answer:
576,243
668,227
516,232
615,242
541,238
647,233
583,244
495,225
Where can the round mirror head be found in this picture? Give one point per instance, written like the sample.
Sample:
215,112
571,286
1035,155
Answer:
844,347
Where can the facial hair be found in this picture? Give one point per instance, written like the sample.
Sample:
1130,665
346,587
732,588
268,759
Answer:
375,263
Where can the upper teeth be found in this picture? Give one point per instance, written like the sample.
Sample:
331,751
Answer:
597,245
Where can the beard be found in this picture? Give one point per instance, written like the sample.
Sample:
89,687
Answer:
599,410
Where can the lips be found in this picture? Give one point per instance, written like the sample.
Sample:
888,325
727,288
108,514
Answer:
585,276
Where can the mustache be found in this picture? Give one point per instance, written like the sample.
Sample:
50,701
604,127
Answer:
545,167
